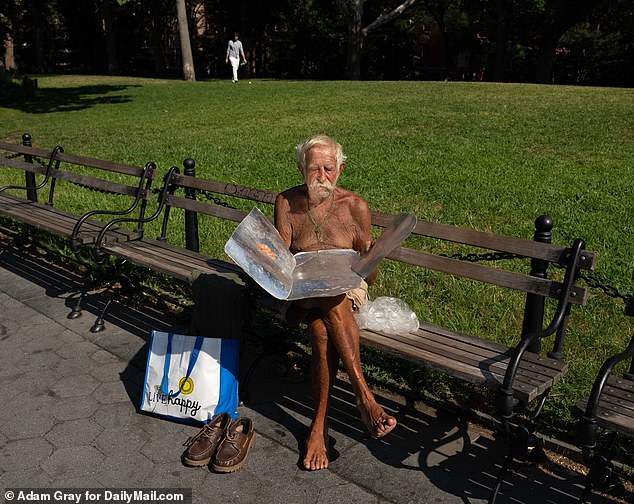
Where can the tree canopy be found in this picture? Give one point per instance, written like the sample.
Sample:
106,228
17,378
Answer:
547,41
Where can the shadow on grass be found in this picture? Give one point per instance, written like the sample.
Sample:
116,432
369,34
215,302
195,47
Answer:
67,99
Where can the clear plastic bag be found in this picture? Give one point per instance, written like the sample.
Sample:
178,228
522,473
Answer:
387,314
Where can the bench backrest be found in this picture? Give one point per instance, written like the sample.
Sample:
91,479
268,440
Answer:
108,177
532,281
508,247
482,241
191,185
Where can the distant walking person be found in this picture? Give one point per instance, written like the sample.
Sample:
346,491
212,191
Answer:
234,51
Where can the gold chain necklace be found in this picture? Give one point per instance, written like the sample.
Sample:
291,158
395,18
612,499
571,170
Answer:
312,219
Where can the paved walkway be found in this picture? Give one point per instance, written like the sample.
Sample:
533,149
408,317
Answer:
69,419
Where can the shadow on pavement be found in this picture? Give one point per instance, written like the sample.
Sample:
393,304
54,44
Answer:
64,284
428,447
430,454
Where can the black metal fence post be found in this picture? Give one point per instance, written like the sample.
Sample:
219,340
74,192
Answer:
191,218
31,193
534,308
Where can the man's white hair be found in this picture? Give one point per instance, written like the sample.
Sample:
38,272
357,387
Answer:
319,141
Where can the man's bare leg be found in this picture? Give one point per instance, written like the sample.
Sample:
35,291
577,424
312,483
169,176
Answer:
344,333
324,366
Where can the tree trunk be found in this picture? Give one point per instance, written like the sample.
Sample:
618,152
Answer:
355,41
157,48
546,60
39,21
186,47
353,10
561,15
9,55
501,40
111,46
438,12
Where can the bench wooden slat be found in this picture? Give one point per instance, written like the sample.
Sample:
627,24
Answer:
227,189
111,166
618,394
420,356
487,274
84,180
513,245
609,417
617,400
622,386
489,370
531,369
100,184
23,165
167,259
43,217
510,244
22,149
206,208
155,255
56,221
493,346
469,349
190,258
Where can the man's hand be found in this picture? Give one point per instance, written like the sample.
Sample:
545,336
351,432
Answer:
367,246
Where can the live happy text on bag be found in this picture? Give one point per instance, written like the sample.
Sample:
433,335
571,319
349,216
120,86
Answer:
190,378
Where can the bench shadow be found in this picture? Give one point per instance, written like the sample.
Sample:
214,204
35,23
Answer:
61,283
46,100
429,448
486,366
65,284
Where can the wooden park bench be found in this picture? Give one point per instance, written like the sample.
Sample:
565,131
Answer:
609,409
520,373
43,179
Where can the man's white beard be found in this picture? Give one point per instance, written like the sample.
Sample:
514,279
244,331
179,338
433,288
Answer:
322,186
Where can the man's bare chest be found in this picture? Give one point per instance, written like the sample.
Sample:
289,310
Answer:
310,232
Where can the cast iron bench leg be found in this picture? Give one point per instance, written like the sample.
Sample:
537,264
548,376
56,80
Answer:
523,445
600,469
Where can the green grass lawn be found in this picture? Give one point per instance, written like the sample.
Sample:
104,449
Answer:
488,156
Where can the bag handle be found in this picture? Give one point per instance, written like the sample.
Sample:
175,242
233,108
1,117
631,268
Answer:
166,365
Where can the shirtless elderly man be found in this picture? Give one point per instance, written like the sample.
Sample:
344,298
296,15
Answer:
319,215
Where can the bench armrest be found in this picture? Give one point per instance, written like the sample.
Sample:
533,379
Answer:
505,394
74,240
52,161
587,427
164,191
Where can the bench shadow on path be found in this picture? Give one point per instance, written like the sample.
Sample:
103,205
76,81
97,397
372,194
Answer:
428,447
60,283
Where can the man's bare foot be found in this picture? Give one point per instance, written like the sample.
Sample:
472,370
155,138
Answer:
316,452
376,420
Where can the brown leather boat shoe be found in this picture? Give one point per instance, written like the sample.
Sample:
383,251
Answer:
202,447
234,449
